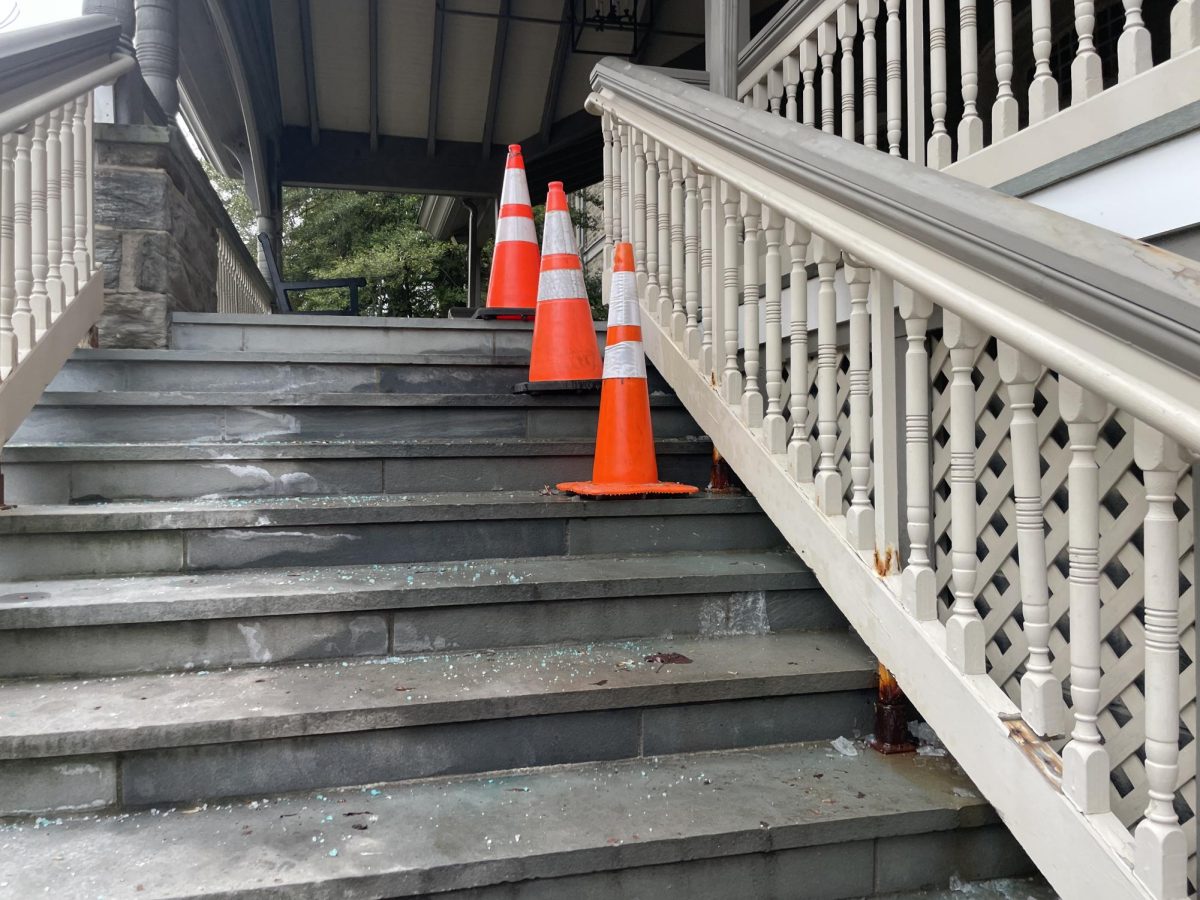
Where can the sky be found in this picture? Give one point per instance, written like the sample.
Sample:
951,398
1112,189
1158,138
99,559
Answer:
38,12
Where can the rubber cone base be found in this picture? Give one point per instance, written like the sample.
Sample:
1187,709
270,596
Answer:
657,488
505,312
558,387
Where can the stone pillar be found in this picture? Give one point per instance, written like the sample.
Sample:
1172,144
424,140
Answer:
156,38
127,92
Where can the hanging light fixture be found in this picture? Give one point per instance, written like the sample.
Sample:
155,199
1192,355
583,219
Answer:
609,14
590,17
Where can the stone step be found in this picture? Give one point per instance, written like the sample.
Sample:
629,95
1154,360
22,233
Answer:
771,823
229,416
90,473
357,335
141,740
163,537
95,627
191,370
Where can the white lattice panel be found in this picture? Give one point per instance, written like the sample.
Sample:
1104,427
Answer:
1123,507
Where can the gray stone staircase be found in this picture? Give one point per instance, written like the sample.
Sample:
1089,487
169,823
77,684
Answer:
287,611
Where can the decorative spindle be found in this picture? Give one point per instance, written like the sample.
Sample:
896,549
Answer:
618,233
731,379
54,283
8,286
752,398
895,78
1087,79
651,294
809,60
886,437
918,584
1185,27
828,483
1160,846
678,321
23,321
67,270
791,81
39,299
938,150
1043,92
868,12
860,518
664,235
639,209
800,462
1085,761
1004,110
627,184
706,261
847,24
606,188
964,629
1042,704
691,260
970,126
775,91
827,47
758,97
1133,47
774,425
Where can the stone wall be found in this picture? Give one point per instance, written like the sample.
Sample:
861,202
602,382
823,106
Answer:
156,224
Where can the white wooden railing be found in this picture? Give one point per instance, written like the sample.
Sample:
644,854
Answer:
241,288
857,68
51,290
1050,395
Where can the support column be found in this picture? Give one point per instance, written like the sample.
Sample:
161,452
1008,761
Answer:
156,39
127,92
726,30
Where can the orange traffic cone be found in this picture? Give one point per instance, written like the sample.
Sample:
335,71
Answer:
513,283
564,356
625,462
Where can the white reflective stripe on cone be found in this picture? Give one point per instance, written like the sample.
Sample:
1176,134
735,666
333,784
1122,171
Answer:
515,188
516,228
624,360
624,311
558,236
562,284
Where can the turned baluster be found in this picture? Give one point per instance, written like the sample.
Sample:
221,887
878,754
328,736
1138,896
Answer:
774,425
23,321
847,25
884,451
1085,761
618,198
791,81
809,60
828,482
70,277
970,126
1087,79
39,299
1004,110
964,629
827,47
638,166
706,264
860,518
800,462
8,287
752,399
918,584
1185,27
691,257
83,184
1042,704
664,235
678,320
627,184
938,150
54,282
895,78
868,11
651,294
1043,92
1133,47
775,91
1160,846
731,379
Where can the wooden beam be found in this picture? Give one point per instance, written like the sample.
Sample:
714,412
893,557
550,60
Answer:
489,118
562,50
435,77
373,45
310,71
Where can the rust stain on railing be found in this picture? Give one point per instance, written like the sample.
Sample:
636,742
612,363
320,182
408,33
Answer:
1039,751
887,562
